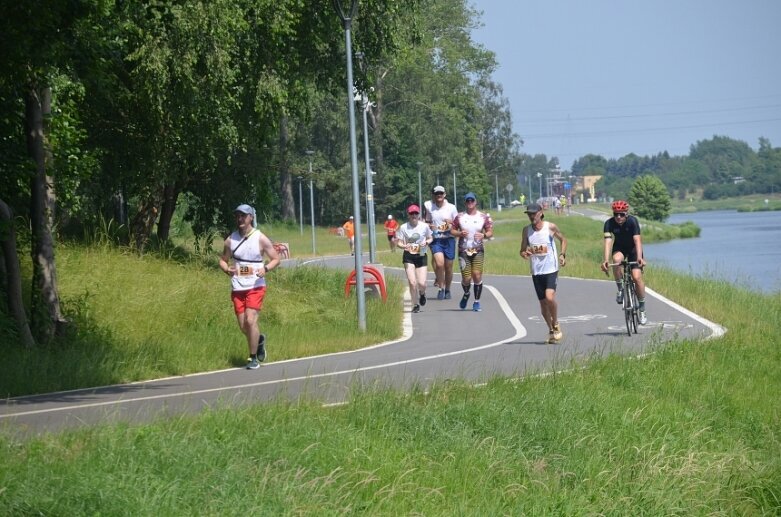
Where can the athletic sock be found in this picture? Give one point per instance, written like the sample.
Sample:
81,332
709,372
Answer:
466,288
620,284
478,290
641,304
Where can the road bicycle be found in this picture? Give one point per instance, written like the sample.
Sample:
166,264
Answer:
630,304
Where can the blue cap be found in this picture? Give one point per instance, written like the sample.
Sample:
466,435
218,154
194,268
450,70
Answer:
246,209
470,195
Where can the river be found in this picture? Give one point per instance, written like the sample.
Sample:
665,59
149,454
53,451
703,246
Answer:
741,247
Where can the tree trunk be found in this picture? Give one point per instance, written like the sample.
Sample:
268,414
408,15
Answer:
170,195
144,221
13,275
45,307
286,181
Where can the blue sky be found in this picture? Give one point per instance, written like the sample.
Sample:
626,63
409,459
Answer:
613,77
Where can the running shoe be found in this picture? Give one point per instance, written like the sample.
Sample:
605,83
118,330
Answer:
422,298
262,348
620,297
463,301
416,308
476,306
253,364
643,318
551,338
441,294
447,294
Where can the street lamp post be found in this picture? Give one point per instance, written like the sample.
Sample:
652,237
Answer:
539,176
496,182
300,206
347,18
365,105
455,195
420,187
312,202
369,187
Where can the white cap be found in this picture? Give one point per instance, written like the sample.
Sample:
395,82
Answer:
390,216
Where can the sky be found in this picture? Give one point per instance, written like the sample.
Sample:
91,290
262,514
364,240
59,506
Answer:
613,77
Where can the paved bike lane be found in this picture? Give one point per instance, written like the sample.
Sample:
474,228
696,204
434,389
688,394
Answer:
441,342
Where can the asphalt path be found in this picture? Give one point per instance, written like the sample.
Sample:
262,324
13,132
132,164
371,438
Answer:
441,342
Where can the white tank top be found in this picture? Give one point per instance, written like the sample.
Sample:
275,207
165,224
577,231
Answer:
248,259
544,258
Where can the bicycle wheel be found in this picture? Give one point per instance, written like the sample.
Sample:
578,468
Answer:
628,310
635,315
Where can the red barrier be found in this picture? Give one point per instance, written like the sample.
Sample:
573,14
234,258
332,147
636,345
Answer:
371,277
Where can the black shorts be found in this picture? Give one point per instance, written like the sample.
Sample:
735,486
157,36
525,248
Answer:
391,237
630,255
420,259
544,282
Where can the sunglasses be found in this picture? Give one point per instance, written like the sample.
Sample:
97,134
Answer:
619,214
414,213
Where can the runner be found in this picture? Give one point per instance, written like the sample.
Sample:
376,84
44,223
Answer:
439,216
413,237
472,226
539,246
349,232
242,260
390,228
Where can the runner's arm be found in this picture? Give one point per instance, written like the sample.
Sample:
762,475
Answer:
225,258
268,248
524,252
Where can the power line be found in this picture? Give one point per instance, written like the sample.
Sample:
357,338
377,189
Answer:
646,115
645,130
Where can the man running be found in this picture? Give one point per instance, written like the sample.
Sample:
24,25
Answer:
349,232
539,246
439,216
623,241
390,228
413,237
471,227
242,260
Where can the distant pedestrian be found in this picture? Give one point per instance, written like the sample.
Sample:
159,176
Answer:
413,237
472,227
242,260
538,245
440,215
391,226
349,232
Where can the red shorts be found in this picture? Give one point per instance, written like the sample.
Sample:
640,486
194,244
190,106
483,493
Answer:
252,299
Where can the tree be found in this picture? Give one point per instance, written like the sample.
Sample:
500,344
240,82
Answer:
650,199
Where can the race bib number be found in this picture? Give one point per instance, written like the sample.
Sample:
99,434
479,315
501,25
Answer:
245,270
540,249
471,251
413,248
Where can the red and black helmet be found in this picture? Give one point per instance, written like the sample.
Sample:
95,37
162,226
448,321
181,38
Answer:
620,206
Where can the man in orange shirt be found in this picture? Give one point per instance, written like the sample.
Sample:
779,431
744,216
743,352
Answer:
349,232
390,227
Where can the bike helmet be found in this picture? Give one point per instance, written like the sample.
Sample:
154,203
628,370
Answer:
620,206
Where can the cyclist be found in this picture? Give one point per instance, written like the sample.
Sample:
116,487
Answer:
623,241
